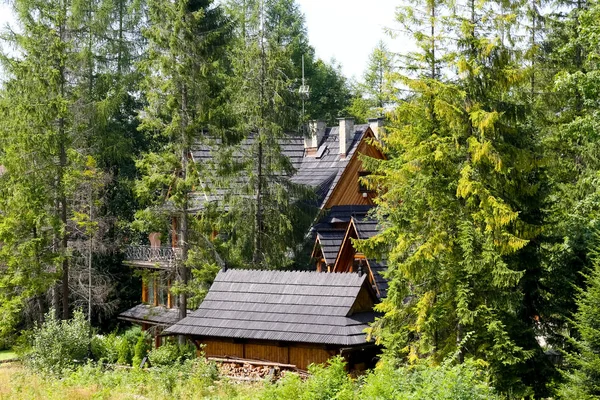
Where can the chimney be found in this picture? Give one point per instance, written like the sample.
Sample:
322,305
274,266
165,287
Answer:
316,131
376,125
346,134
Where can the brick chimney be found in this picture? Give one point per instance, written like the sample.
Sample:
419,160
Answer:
376,125
316,131
346,134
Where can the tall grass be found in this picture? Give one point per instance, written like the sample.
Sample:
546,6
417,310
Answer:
197,379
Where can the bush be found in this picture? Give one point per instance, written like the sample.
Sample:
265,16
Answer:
125,345
171,353
57,345
326,382
452,382
104,348
142,347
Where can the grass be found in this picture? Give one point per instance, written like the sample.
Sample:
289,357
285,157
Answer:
7,355
17,383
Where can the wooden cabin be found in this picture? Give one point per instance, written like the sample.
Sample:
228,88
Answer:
286,317
328,161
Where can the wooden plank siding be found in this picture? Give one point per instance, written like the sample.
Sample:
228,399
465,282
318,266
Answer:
266,352
347,191
295,353
302,357
218,348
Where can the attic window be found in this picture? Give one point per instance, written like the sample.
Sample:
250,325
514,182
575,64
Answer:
321,151
362,188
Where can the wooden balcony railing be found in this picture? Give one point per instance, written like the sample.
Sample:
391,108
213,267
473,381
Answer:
163,256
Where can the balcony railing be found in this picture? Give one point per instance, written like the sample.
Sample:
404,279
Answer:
163,256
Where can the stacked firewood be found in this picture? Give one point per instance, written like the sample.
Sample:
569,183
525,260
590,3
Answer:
247,371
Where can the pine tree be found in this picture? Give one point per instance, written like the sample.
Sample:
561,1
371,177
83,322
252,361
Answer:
38,154
186,51
266,108
583,376
461,198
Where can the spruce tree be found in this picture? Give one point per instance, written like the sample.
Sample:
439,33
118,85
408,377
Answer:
187,41
39,156
583,374
266,107
460,198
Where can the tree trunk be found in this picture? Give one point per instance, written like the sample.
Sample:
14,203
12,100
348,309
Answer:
182,272
258,217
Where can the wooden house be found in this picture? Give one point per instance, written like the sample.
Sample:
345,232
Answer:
328,161
286,317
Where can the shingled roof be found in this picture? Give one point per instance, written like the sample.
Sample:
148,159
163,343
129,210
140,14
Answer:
290,306
149,314
320,172
330,242
366,228
329,236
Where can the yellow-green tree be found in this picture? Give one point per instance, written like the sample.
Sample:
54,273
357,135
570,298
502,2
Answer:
460,196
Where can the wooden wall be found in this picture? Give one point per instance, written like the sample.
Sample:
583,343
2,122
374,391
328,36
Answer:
302,357
296,354
346,191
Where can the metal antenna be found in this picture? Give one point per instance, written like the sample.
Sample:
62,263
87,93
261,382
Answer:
304,91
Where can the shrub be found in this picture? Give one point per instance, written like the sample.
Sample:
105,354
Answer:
57,345
104,348
456,382
141,348
329,381
171,353
126,345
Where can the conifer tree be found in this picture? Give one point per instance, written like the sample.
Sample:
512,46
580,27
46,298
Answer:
570,145
186,52
266,100
583,376
378,79
460,199
38,155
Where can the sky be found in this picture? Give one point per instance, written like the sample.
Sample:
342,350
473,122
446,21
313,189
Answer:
349,30
344,30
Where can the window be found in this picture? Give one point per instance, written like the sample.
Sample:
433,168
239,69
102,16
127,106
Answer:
150,288
163,294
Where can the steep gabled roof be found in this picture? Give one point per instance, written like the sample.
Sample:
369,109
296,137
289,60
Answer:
329,237
321,171
330,242
364,227
290,306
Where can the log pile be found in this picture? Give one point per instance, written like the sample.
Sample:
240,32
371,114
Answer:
246,370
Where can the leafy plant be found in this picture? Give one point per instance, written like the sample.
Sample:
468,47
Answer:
57,345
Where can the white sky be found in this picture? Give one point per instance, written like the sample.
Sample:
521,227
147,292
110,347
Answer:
348,30
344,30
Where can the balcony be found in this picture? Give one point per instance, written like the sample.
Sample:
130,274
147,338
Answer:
152,257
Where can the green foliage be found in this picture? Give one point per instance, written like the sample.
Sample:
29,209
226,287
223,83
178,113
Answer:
126,344
387,381
461,203
463,381
142,347
583,374
329,381
171,353
104,348
57,345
